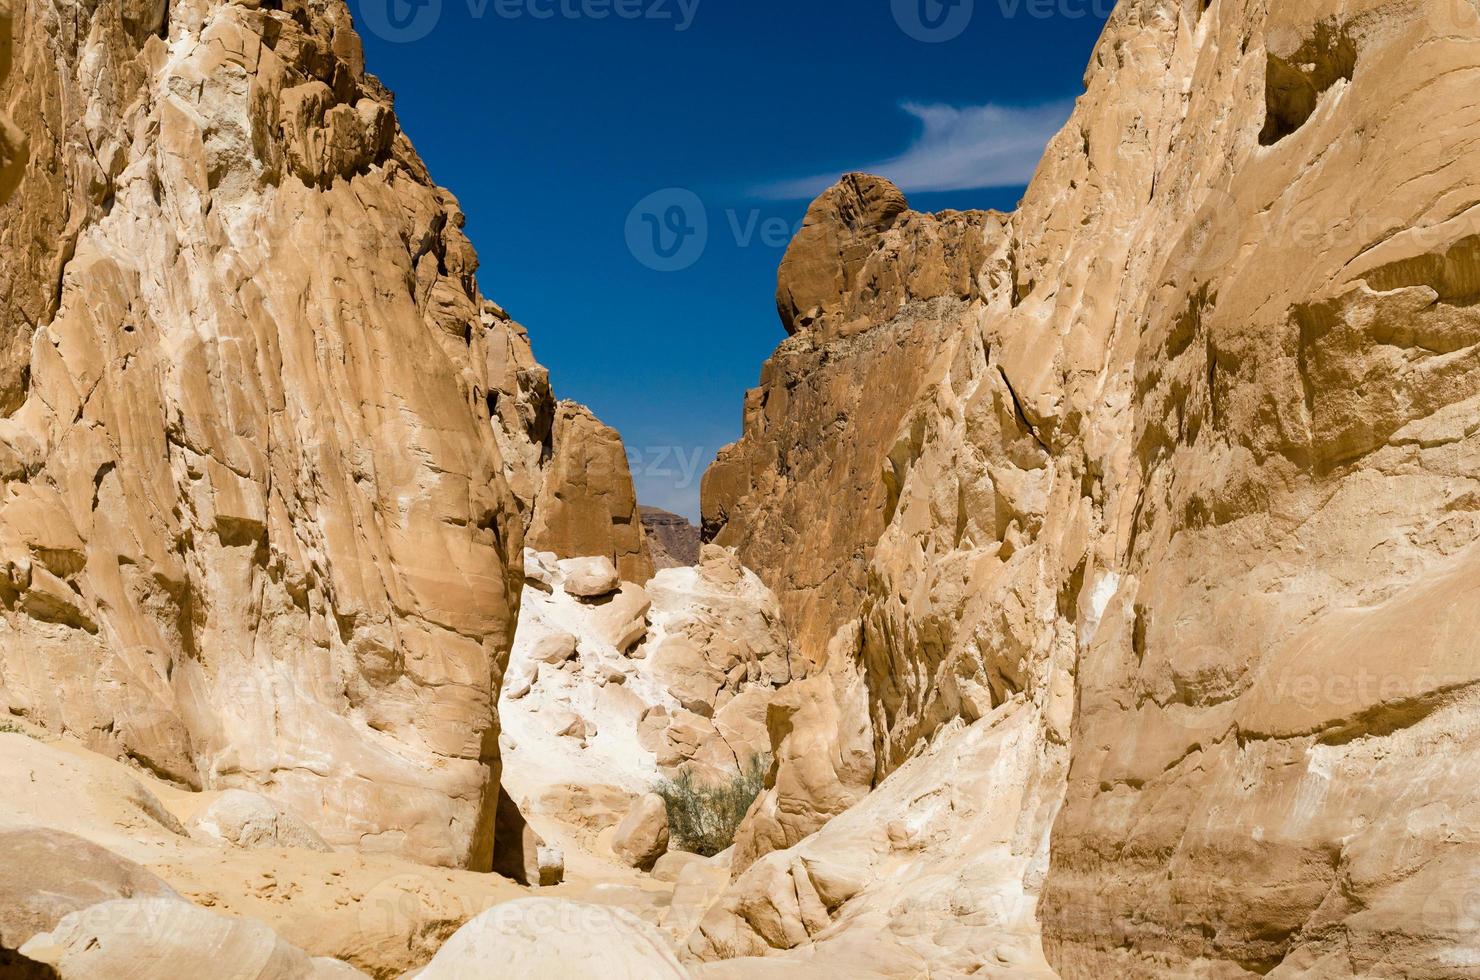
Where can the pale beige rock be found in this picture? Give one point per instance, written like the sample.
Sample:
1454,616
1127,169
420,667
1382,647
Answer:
554,649
622,622
46,874
1194,453
252,820
587,505
642,836
589,578
168,939
550,938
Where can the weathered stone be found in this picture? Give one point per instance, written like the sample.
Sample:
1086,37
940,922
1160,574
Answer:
256,525
46,874
589,578
252,820
555,938
587,505
168,939
642,836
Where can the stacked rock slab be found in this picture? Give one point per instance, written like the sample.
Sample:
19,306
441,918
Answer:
255,524
1197,485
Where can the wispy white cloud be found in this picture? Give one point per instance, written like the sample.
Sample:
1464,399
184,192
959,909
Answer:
959,148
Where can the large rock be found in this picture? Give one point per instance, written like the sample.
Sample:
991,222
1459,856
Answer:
45,875
252,820
873,295
589,578
170,939
541,938
642,836
255,521
587,505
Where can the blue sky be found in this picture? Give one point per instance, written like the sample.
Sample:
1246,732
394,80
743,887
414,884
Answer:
552,123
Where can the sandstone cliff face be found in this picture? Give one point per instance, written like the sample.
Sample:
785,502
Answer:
1189,492
255,524
1276,719
586,505
12,140
871,293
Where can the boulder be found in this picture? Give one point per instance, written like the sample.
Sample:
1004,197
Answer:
622,622
682,669
589,578
169,939
554,938
554,648
46,875
252,820
642,836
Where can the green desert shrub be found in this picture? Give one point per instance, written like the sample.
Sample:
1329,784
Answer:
703,817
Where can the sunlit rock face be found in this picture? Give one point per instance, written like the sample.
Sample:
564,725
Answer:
1187,489
587,505
12,140
256,527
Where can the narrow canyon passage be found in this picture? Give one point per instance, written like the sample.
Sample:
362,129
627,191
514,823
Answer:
1088,592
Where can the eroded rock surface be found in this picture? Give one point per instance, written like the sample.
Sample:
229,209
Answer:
12,140
1190,474
255,524
587,505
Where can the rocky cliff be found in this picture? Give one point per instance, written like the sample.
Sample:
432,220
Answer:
587,505
1183,495
870,292
672,541
12,140
255,524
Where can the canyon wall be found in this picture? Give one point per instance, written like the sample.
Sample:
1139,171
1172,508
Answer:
1277,717
587,505
12,140
256,528
1185,489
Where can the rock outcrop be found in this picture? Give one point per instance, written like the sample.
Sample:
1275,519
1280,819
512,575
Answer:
170,939
550,938
672,541
1190,476
587,505
246,819
46,875
872,293
12,140
255,525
